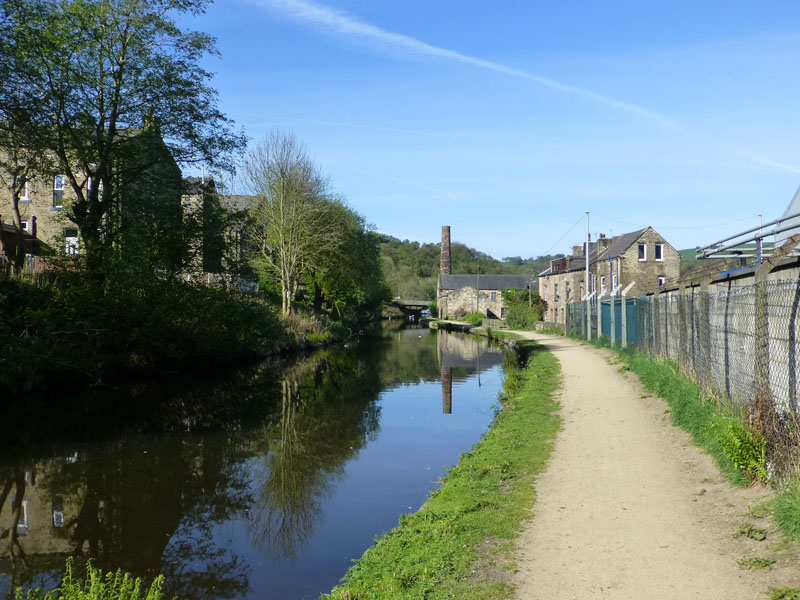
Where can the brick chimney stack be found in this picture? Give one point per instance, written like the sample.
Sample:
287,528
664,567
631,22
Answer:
444,261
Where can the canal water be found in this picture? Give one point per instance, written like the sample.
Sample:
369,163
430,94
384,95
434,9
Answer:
263,482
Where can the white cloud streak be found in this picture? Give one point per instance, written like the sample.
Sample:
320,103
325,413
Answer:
331,20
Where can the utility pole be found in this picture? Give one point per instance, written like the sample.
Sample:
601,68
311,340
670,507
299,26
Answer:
588,301
530,285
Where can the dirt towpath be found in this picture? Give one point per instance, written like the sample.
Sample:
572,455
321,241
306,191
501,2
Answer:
629,508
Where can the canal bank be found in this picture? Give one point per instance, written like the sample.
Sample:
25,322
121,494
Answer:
460,543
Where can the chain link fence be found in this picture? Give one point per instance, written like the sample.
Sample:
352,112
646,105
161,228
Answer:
740,344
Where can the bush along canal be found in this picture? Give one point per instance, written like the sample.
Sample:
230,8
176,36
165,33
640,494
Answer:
268,482
458,544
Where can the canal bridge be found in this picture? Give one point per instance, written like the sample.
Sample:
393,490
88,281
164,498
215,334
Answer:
412,309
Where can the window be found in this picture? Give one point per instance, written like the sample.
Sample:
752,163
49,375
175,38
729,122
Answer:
24,196
22,524
659,252
602,284
24,225
71,243
494,296
661,280
613,282
642,252
502,313
58,191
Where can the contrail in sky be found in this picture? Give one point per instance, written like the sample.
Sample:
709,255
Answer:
330,19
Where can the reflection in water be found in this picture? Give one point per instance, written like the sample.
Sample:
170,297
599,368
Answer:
463,352
323,424
165,477
447,390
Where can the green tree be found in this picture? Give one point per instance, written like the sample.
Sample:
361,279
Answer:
293,226
96,78
349,275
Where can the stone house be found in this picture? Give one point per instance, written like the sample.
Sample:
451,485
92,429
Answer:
458,295
642,258
462,294
147,206
563,283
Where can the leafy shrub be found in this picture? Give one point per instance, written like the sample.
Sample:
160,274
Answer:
96,586
745,449
522,316
474,318
69,325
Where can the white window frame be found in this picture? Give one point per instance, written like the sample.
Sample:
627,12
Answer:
614,282
72,243
494,296
659,250
662,281
24,225
25,197
602,284
642,252
58,186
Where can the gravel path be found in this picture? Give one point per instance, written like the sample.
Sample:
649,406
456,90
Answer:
628,507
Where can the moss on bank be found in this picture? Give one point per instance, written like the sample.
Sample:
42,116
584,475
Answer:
466,528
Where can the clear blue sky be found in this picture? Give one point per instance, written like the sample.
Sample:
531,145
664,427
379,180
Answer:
508,120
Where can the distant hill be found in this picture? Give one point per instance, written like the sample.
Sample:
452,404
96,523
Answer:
411,269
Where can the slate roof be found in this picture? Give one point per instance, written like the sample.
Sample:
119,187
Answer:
621,244
487,282
239,202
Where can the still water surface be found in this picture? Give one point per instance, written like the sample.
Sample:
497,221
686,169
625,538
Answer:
261,483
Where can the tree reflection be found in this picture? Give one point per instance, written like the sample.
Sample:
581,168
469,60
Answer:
329,412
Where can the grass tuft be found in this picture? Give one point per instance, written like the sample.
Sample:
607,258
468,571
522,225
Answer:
786,511
462,531
756,563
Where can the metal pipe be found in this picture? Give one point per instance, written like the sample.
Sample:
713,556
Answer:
739,243
760,226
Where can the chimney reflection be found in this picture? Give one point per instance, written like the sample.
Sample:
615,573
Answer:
447,390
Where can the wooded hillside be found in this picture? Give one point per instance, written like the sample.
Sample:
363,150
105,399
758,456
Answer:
410,268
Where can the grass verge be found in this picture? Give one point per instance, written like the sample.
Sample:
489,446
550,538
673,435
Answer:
455,545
